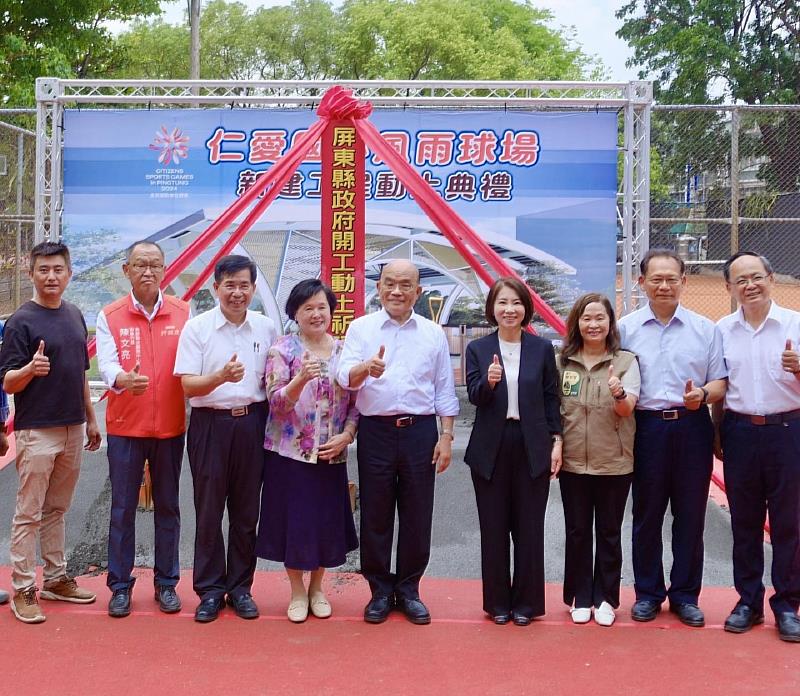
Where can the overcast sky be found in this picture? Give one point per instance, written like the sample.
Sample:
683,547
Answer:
593,20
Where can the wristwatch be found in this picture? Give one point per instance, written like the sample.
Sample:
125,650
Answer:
705,395
448,432
557,438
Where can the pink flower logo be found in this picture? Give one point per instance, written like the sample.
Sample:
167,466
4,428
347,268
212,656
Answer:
172,147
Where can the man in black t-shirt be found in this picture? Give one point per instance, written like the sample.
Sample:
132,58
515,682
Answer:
43,363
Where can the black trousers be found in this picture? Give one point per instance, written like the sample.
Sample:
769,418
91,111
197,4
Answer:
395,471
226,456
672,465
762,473
126,457
593,508
511,506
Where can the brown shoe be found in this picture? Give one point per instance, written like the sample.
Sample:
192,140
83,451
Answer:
66,589
26,607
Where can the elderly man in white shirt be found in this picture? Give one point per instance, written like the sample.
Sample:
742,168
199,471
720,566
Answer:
221,360
682,369
400,363
760,438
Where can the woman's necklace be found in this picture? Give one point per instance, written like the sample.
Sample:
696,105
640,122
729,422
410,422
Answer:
321,351
510,351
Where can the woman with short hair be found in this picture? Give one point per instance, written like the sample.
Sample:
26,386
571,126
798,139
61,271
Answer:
306,519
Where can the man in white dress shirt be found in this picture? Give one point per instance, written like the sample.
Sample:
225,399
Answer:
400,363
760,437
221,360
137,337
682,369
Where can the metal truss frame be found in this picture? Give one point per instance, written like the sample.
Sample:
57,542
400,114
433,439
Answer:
633,99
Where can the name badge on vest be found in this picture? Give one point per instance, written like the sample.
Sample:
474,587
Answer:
570,383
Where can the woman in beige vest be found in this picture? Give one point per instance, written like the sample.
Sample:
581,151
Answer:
599,389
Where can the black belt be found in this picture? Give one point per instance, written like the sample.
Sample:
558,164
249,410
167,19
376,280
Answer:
771,419
400,420
236,412
669,414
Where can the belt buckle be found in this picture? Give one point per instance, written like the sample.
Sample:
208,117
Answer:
239,411
758,420
672,414
404,422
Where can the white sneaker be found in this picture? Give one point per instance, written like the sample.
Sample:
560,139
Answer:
580,615
604,614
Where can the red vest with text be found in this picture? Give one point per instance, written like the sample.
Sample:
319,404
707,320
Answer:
159,412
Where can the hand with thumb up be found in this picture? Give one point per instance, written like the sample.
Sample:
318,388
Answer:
693,397
40,363
790,359
232,371
375,365
136,383
310,367
614,383
495,372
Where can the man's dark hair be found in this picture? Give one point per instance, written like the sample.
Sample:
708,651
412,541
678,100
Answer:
50,249
304,291
521,291
233,263
665,253
726,269
142,242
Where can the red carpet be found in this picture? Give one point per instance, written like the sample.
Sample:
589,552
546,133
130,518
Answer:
80,650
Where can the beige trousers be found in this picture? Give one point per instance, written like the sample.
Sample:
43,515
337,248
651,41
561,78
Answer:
48,464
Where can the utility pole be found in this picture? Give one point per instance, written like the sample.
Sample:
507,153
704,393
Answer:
194,24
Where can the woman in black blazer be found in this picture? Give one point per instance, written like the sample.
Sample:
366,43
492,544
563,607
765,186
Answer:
513,451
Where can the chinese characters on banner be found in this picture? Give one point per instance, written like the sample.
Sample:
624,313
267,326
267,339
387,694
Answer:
342,229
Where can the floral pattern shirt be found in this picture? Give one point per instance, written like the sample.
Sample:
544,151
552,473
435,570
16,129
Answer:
296,430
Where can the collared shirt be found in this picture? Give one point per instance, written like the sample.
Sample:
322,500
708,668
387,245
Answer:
757,384
688,347
418,378
209,341
107,356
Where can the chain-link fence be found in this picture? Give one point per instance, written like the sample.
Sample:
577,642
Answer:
725,179
17,183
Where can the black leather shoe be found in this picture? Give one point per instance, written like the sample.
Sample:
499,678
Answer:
378,609
645,610
742,619
416,612
788,626
500,619
244,606
689,614
520,619
167,598
208,610
120,603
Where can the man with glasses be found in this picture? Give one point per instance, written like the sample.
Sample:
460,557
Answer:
137,339
760,438
680,359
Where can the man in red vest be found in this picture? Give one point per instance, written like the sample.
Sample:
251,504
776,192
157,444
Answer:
137,338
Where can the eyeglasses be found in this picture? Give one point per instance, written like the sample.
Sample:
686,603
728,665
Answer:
672,281
744,281
142,267
391,285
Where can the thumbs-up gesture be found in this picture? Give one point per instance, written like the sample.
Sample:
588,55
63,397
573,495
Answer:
614,383
692,396
790,359
233,370
495,372
309,367
136,383
40,363
375,365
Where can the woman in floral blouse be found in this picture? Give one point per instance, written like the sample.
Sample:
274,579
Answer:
306,520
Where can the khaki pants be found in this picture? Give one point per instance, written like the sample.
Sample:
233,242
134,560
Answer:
48,464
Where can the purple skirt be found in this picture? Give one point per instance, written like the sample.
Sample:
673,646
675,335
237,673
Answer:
306,522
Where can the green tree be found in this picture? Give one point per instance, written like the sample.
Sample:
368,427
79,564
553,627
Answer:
361,39
62,38
708,51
